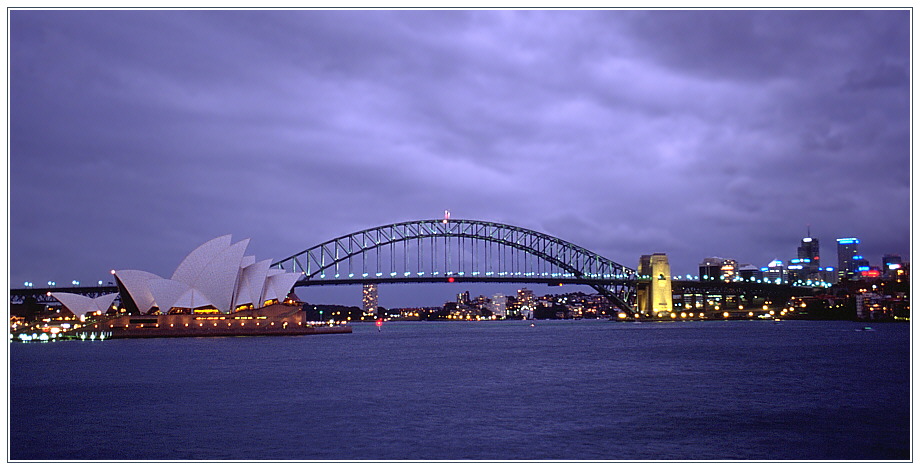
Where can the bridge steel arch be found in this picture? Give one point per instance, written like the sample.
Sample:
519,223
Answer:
336,258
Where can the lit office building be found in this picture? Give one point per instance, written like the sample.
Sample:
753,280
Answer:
525,297
796,272
809,257
526,303
499,305
369,299
717,269
891,264
775,272
749,273
848,258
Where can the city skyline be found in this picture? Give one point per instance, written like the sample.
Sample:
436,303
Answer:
136,135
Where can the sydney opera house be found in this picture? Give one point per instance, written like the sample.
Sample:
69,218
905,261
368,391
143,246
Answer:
215,277
216,289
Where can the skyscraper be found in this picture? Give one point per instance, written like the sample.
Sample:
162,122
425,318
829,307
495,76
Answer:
890,264
499,305
847,257
526,303
809,253
370,299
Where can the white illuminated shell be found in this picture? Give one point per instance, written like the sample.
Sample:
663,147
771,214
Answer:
217,280
136,282
252,281
216,273
195,262
166,292
278,285
192,298
81,304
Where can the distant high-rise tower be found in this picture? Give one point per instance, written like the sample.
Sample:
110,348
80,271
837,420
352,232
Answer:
847,258
526,302
370,299
810,257
890,264
654,293
499,305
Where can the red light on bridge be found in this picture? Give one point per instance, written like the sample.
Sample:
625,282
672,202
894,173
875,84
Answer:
450,279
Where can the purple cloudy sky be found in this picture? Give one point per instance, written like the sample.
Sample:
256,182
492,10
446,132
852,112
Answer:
137,135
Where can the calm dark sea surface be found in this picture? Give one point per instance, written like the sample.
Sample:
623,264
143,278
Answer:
570,390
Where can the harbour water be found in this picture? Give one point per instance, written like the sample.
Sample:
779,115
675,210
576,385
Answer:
569,390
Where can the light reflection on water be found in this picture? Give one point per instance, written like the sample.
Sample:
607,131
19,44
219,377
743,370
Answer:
570,390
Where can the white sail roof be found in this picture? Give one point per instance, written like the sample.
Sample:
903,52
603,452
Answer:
103,302
192,298
81,304
195,262
166,292
252,280
278,285
218,278
135,281
216,273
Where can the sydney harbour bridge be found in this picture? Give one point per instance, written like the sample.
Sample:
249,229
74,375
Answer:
454,250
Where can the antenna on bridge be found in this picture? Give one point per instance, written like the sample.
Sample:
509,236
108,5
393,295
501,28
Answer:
446,216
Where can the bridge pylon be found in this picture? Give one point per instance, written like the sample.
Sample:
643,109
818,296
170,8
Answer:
653,289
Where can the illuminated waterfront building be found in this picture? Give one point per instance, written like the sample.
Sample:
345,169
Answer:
499,305
215,291
525,297
369,299
526,303
216,276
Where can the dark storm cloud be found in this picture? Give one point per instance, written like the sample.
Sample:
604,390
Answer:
136,135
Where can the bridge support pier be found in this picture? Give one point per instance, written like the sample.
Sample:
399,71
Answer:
654,288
